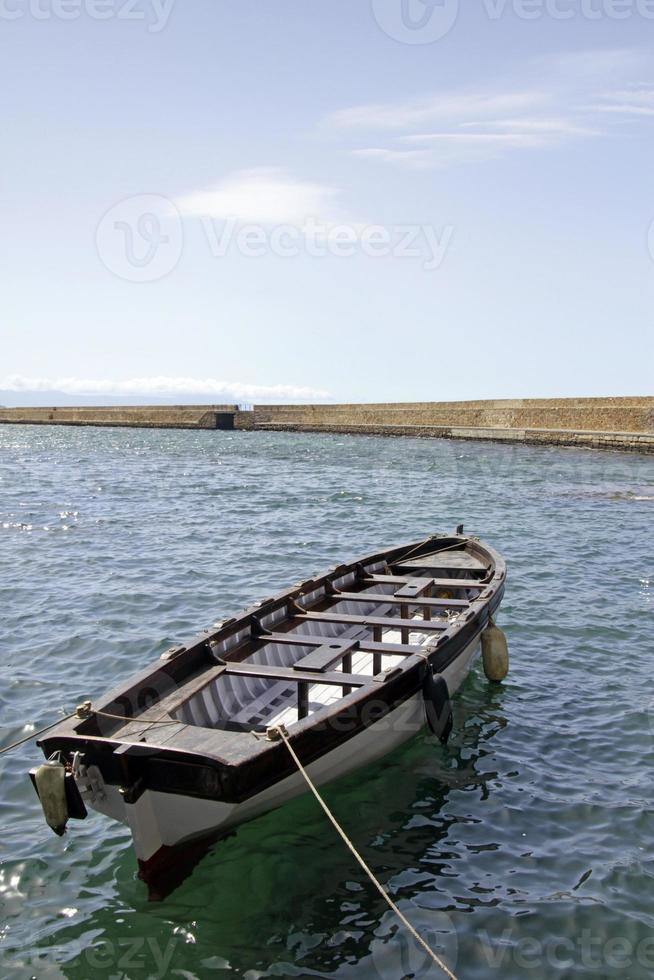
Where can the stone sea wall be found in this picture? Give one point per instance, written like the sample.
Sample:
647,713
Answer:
592,414
599,423
136,416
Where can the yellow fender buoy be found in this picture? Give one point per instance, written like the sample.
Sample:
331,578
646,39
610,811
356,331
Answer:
51,787
494,652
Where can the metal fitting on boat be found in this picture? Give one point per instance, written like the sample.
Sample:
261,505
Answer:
84,710
273,734
172,652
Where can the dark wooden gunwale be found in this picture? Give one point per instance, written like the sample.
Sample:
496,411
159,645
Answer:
231,767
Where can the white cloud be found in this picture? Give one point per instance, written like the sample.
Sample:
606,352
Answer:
411,158
629,102
546,126
468,126
467,139
591,63
552,101
484,141
263,196
163,387
446,106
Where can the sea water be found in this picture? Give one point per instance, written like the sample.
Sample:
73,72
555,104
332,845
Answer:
524,848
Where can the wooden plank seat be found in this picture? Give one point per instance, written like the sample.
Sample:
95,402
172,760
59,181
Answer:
437,583
326,655
413,587
366,646
381,622
337,678
399,599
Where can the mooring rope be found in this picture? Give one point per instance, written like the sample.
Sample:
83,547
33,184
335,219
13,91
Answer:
135,719
432,537
281,731
41,731
84,711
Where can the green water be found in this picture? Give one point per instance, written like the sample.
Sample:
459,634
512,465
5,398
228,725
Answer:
522,849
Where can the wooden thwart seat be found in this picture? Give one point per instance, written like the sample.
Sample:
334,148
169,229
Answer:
401,599
337,678
413,587
325,656
366,646
437,583
383,622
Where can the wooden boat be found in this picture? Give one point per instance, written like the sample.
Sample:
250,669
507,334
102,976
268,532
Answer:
352,663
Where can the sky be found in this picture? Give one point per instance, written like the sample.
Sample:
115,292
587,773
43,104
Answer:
353,200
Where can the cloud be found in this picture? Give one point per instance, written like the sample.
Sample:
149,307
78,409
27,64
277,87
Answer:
443,107
484,139
467,126
163,387
592,63
263,196
411,158
544,126
550,101
629,102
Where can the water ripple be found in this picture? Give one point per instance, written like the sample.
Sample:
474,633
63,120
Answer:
523,848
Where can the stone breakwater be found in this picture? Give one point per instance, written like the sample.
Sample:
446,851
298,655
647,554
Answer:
135,416
598,423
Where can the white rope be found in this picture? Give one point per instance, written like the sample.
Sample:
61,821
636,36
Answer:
380,888
86,709
28,738
135,719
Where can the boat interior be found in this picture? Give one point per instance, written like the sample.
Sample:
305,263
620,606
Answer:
331,641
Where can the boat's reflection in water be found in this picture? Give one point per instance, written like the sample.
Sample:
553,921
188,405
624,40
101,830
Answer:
287,876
